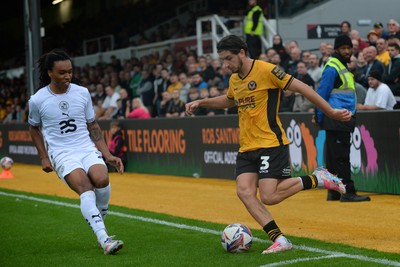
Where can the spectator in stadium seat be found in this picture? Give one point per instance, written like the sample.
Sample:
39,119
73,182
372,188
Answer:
136,77
197,80
301,103
326,51
391,75
184,92
361,91
69,141
393,29
146,90
263,174
206,70
164,103
372,64
295,57
137,110
345,28
382,55
379,96
372,37
176,107
160,85
110,106
313,69
277,44
287,101
378,27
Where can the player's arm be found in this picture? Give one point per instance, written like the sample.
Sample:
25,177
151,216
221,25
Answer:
38,141
219,102
316,99
97,138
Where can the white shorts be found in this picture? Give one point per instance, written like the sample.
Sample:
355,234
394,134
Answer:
65,163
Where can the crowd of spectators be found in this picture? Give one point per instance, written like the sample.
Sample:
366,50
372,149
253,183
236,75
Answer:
377,53
159,84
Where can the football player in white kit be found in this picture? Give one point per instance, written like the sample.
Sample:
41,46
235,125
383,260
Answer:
69,141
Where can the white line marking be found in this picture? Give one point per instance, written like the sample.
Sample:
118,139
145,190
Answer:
302,259
330,254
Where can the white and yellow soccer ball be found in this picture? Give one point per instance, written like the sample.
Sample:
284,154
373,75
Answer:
6,163
236,237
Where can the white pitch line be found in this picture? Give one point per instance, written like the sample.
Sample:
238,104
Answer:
330,254
280,263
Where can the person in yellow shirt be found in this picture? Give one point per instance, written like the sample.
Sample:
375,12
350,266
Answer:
383,54
262,163
175,84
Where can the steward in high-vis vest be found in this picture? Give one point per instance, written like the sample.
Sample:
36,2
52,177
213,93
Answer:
342,95
338,89
253,28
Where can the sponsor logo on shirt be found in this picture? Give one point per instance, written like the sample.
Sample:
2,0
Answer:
278,72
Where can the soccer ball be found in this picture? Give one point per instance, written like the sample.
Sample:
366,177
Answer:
236,237
6,163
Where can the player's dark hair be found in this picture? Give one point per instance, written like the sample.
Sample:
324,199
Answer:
231,43
46,63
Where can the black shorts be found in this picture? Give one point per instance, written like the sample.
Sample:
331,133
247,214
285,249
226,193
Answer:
267,162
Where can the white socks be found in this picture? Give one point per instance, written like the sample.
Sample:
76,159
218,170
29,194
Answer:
92,215
102,199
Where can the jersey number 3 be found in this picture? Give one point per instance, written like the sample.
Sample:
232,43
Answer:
264,163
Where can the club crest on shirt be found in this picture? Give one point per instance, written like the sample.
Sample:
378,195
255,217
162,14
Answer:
252,85
63,106
278,72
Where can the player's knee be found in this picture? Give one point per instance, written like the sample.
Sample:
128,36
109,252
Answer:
244,193
101,181
268,200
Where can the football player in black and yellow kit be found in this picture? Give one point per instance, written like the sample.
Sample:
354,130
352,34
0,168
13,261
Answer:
255,88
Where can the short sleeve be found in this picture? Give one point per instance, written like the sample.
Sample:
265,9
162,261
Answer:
34,115
89,111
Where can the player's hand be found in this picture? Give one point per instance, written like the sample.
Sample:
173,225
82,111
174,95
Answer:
116,162
191,107
46,165
341,114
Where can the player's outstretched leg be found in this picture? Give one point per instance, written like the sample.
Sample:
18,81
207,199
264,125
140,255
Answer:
329,181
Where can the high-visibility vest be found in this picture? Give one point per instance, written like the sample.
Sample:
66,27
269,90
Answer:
347,88
345,75
249,22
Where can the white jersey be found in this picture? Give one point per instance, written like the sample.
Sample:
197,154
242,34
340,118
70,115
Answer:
63,118
381,97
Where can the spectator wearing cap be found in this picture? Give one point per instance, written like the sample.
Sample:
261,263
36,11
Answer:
372,37
378,27
379,96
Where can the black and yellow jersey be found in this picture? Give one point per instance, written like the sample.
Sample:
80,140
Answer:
257,97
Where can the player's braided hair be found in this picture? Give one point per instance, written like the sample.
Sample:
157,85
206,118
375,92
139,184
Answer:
46,63
231,43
